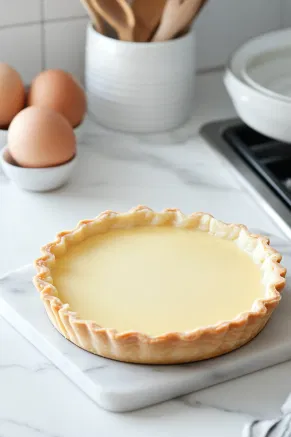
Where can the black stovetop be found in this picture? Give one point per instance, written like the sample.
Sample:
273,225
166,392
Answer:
264,163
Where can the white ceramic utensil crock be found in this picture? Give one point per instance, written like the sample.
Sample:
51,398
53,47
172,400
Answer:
265,63
140,87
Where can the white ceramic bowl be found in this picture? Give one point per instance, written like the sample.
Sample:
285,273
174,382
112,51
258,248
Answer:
255,84
269,116
265,62
36,179
140,87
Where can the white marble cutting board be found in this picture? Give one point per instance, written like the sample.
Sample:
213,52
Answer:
122,387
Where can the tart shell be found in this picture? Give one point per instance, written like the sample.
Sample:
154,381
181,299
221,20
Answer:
172,347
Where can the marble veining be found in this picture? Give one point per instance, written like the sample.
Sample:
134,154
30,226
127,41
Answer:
24,426
129,152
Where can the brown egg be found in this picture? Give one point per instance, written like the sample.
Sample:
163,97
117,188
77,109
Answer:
12,94
41,137
58,90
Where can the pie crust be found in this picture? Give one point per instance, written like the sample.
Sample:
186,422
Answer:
172,347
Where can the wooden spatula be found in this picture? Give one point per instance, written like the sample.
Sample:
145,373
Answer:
177,16
187,28
119,15
148,14
95,18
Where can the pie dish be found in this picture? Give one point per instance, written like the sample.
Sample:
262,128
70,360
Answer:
159,288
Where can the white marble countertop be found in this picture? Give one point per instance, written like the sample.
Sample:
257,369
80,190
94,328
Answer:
119,171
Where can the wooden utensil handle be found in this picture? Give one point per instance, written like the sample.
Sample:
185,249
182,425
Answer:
94,16
177,16
148,14
122,22
126,35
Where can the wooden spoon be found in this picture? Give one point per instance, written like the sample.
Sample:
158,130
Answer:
95,18
147,14
188,27
176,17
119,15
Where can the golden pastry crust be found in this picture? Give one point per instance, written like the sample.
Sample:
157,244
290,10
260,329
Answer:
173,347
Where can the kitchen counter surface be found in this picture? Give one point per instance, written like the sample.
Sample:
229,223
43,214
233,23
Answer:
117,171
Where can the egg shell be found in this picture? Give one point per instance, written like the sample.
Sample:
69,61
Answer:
41,137
12,94
59,90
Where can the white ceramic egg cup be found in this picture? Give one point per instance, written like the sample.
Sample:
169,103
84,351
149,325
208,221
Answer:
36,179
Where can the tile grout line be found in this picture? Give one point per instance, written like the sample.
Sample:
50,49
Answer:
43,21
43,45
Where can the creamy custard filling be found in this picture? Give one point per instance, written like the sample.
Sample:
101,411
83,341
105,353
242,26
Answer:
157,279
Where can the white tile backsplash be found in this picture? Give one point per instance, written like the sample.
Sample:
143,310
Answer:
286,13
55,9
19,11
64,45
21,48
225,24
222,26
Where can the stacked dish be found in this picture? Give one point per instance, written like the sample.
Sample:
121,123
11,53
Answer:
258,80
